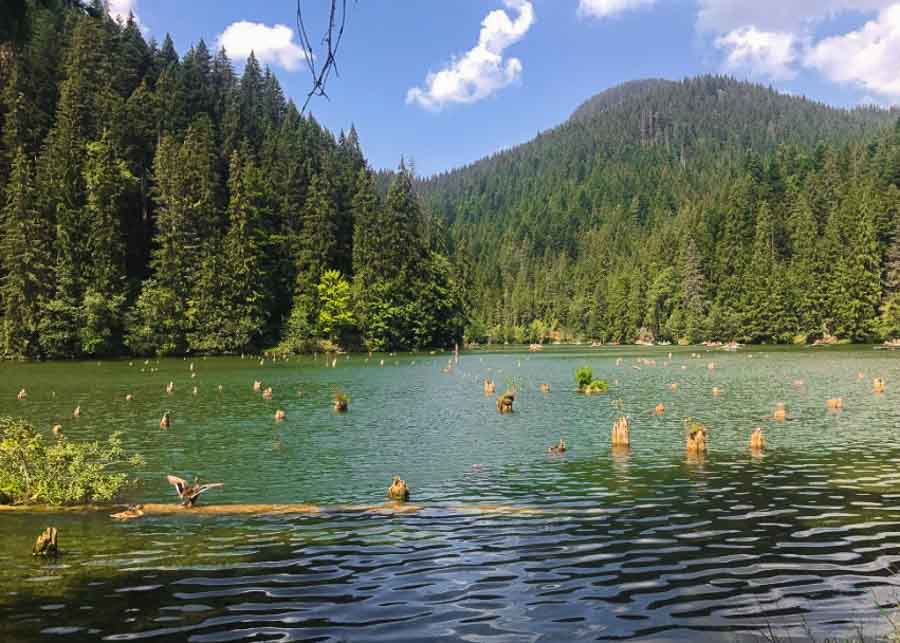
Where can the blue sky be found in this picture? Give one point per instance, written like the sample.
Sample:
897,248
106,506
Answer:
446,82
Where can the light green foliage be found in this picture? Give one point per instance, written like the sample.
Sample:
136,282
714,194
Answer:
584,380
584,375
335,312
59,472
597,386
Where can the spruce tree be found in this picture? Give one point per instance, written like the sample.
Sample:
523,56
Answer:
24,252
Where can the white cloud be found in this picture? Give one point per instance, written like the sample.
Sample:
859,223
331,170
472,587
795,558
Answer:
794,16
120,10
607,8
272,45
868,58
482,70
762,53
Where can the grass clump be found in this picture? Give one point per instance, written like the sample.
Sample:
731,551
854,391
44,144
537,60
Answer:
61,472
584,380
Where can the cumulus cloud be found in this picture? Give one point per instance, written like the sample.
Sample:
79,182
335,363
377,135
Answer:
794,16
762,53
607,8
772,38
482,70
271,45
868,58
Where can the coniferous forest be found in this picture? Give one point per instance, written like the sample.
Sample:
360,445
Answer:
163,204
707,209
157,203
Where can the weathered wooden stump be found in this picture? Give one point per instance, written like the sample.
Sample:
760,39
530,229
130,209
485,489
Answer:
621,433
398,490
505,402
696,438
47,544
757,441
559,448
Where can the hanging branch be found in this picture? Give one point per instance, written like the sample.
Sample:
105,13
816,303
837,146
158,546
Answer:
331,42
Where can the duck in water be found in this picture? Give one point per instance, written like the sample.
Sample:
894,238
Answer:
189,492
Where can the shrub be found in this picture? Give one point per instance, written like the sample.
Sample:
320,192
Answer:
597,386
583,377
61,472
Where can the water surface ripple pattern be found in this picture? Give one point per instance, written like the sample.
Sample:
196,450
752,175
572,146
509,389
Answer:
511,543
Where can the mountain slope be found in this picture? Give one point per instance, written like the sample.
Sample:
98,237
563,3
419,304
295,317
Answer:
629,164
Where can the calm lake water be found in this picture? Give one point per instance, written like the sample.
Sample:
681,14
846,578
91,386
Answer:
510,544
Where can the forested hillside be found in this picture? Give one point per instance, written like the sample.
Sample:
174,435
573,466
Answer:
703,209
160,204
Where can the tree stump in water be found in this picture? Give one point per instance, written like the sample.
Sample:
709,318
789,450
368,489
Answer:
505,402
696,438
621,433
779,414
47,543
757,441
398,490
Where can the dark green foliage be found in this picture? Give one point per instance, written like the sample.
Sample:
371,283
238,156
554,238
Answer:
160,204
707,209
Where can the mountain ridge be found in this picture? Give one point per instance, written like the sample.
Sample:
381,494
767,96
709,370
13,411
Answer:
682,179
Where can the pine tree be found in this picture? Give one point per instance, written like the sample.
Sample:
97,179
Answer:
247,304
107,182
24,251
316,247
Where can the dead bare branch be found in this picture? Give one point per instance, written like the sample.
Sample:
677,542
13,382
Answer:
329,45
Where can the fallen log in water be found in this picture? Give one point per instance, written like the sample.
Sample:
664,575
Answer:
389,508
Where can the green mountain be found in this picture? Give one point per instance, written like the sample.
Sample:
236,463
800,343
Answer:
702,209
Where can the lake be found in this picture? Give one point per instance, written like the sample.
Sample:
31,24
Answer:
510,543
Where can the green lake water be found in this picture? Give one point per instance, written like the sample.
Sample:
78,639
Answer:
645,544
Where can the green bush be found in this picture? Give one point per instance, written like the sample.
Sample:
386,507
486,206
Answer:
61,472
584,378
584,375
